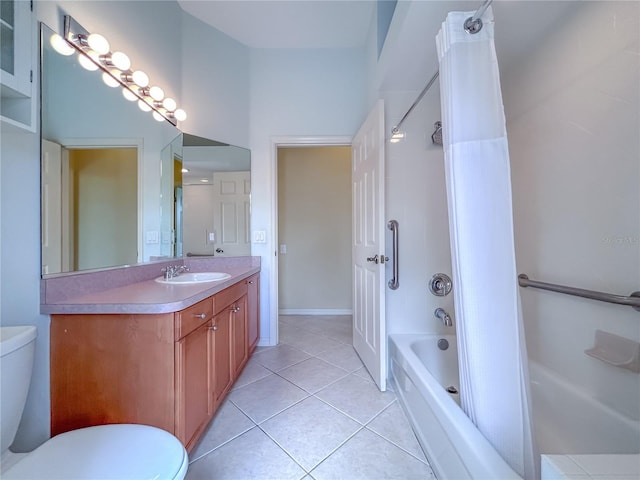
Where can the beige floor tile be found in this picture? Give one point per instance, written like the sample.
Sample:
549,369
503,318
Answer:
310,430
343,356
280,357
252,371
266,397
367,456
392,424
253,455
311,343
228,423
313,374
356,397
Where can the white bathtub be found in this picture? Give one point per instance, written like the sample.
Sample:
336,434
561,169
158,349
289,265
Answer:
565,419
454,447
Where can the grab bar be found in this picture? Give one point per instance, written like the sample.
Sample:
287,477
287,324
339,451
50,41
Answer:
190,254
632,300
394,283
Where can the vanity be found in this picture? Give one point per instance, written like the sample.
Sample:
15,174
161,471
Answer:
146,352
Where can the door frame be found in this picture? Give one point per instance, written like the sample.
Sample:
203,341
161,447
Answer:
288,141
138,143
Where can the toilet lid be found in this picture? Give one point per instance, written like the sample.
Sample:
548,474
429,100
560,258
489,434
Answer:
123,451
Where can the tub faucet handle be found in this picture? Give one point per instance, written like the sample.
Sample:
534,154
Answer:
444,316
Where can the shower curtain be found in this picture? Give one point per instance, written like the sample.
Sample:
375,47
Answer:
493,360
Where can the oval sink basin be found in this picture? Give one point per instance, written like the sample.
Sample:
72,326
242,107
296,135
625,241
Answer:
195,277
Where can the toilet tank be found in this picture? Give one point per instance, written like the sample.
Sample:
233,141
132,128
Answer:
17,347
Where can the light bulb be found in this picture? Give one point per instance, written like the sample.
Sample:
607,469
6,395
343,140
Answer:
158,117
86,63
180,115
98,43
121,61
169,104
156,93
61,46
140,78
109,80
129,95
144,106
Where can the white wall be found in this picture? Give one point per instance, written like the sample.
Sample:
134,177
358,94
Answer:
573,117
215,84
295,93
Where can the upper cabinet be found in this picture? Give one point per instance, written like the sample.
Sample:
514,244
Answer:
17,73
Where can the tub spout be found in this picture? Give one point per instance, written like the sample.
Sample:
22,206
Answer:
444,316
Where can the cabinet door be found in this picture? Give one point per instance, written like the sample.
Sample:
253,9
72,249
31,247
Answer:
193,377
221,355
253,311
239,334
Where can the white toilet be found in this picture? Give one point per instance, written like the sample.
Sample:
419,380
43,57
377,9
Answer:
124,452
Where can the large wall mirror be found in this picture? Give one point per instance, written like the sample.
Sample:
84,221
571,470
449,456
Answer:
120,188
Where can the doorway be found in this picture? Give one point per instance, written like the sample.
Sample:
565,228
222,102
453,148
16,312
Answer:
314,230
313,275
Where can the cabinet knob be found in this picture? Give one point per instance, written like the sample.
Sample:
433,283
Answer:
250,282
200,315
214,328
235,309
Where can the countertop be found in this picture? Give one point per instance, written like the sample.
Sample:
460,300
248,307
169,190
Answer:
145,297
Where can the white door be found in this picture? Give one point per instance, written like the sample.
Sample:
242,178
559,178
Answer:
367,176
51,207
231,196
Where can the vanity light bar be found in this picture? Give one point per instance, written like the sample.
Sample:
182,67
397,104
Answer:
95,54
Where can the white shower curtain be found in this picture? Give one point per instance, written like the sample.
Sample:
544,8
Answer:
493,361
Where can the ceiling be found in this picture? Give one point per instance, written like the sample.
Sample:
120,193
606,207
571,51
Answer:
288,23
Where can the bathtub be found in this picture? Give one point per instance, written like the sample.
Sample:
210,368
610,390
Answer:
565,418
454,447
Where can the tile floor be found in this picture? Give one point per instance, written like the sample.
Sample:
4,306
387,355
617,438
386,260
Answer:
308,409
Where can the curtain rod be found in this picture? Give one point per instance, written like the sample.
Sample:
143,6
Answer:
472,25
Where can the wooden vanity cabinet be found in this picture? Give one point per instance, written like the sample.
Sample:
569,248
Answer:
193,370
168,370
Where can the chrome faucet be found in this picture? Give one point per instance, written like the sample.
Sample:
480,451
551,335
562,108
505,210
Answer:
173,271
444,316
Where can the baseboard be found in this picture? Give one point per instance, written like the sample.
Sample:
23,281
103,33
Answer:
315,311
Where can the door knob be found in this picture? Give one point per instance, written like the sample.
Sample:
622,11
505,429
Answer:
373,259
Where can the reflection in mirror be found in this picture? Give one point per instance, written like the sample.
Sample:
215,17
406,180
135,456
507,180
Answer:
96,147
129,208
215,198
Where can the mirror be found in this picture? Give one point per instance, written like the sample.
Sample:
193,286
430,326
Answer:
208,187
112,190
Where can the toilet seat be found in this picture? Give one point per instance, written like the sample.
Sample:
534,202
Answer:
122,451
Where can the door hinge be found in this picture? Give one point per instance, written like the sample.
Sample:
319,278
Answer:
31,5
31,76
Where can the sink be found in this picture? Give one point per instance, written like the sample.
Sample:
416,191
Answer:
195,277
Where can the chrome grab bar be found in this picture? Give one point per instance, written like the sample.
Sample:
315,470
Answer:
394,283
632,300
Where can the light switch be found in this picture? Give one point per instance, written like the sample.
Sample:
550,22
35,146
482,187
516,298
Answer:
260,236
283,248
152,236
211,237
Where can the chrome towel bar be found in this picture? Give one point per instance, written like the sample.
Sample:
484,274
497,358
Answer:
632,300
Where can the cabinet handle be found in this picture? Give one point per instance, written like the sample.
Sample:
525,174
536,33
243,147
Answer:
214,328
200,315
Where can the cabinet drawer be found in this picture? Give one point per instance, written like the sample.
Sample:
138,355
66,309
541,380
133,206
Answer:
229,295
191,318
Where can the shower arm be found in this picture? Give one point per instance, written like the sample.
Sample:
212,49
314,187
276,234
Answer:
472,25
